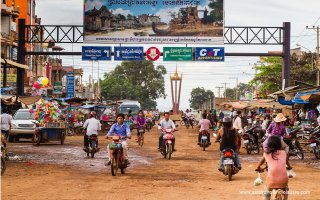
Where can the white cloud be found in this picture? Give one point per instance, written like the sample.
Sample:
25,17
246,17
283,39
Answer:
90,4
165,13
121,11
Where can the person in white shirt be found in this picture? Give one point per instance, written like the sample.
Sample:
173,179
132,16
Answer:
237,125
166,123
6,123
93,126
189,116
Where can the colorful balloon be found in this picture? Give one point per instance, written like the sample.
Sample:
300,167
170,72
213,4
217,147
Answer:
36,85
45,81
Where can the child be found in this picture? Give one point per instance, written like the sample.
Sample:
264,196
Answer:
276,159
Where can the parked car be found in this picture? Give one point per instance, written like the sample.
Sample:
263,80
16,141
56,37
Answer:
22,125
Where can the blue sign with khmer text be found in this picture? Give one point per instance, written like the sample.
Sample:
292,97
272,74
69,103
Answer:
96,53
128,53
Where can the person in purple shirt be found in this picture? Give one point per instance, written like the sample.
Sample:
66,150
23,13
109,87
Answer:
141,122
277,128
123,130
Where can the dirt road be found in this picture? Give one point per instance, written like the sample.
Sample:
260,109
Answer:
52,171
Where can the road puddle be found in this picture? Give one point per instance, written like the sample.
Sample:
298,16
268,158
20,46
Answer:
71,156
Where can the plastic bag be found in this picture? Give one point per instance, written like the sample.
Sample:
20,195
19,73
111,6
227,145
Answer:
291,173
258,180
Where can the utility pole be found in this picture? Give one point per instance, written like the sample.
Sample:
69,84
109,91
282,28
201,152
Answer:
236,88
225,89
219,87
317,29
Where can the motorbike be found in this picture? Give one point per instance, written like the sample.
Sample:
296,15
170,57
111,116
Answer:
204,140
92,147
118,160
141,132
229,167
3,155
294,145
314,143
149,124
167,148
185,121
250,141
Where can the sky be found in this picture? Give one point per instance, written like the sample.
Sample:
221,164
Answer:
202,74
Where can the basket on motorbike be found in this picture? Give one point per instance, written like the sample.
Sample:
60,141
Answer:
115,146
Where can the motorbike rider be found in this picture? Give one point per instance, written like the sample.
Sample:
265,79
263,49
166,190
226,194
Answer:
257,129
277,160
228,140
141,122
277,128
204,125
189,117
123,130
149,116
166,123
93,126
5,123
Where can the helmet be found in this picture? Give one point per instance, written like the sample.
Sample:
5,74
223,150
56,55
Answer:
93,114
227,119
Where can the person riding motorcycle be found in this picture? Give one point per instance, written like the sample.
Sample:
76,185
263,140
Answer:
228,140
123,130
204,125
277,128
141,122
189,117
166,123
277,160
93,126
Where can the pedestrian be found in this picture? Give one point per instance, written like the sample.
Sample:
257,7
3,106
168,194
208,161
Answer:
6,119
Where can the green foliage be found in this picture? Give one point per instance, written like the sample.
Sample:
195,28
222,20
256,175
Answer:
269,78
217,13
135,80
199,96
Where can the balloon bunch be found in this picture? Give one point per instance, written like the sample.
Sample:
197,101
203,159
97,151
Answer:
42,82
46,112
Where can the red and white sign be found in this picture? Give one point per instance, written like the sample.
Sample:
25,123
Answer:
153,53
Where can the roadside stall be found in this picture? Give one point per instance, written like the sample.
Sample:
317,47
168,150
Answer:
50,125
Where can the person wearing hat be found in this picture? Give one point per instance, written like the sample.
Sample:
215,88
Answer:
93,126
277,128
228,139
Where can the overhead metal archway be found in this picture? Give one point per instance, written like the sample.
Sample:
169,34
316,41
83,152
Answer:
233,35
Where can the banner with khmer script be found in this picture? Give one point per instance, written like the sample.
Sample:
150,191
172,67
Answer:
154,21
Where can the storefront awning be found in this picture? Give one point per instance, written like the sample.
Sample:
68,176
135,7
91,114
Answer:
307,97
11,63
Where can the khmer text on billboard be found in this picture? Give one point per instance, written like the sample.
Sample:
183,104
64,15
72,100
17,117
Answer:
154,21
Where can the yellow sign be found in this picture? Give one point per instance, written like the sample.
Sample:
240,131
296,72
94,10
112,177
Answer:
11,78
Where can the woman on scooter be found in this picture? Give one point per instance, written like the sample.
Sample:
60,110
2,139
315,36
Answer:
141,122
276,158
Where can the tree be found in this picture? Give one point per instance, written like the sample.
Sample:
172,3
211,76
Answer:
269,77
135,80
217,13
199,96
230,93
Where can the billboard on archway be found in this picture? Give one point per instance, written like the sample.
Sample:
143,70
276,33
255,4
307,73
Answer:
154,21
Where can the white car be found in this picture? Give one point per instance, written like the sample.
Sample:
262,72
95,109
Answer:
22,125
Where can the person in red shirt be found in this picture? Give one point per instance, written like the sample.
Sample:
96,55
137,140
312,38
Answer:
204,125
